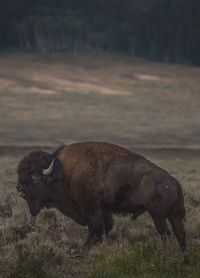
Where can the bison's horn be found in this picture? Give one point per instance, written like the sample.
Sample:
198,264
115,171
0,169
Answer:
49,170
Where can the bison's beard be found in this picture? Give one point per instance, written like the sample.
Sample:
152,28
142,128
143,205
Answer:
34,207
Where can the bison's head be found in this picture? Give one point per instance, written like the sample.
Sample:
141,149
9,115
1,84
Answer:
37,175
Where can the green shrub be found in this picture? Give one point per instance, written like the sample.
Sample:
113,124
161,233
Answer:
148,261
33,257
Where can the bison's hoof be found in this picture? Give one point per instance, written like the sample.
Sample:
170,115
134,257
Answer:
186,260
92,241
134,217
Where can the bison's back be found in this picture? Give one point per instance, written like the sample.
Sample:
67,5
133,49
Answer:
92,152
85,165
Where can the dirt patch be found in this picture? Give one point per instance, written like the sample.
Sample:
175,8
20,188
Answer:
149,77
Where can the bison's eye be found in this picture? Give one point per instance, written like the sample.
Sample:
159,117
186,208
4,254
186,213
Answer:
35,178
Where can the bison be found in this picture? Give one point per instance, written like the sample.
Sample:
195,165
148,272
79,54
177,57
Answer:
90,181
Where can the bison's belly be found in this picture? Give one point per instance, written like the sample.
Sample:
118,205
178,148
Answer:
122,201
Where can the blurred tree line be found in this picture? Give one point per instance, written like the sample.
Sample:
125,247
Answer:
161,30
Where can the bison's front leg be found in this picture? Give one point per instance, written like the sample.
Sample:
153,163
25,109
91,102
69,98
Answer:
108,222
95,225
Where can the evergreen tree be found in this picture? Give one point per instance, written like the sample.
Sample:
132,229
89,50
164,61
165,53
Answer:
162,30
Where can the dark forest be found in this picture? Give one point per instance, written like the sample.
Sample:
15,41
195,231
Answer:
158,30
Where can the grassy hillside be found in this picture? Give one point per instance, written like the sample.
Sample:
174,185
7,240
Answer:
67,98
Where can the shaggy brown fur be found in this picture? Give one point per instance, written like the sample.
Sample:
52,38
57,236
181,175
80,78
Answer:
91,180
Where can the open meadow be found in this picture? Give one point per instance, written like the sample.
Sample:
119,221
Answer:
62,99
150,108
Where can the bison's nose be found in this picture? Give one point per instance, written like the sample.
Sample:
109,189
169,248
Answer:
19,187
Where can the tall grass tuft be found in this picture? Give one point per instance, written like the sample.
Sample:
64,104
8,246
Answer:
148,261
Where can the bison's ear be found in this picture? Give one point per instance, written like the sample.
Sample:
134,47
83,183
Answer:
54,172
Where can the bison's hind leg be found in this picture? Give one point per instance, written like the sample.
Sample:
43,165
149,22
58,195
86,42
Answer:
179,230
162,228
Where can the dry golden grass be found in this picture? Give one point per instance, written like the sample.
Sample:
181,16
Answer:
62,99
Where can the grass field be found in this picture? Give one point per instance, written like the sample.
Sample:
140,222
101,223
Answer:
51,245
66,98
147,107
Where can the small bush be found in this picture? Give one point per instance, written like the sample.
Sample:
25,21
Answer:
48,216
33,258
193,196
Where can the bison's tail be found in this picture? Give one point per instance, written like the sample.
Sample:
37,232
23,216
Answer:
183,212
179,208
